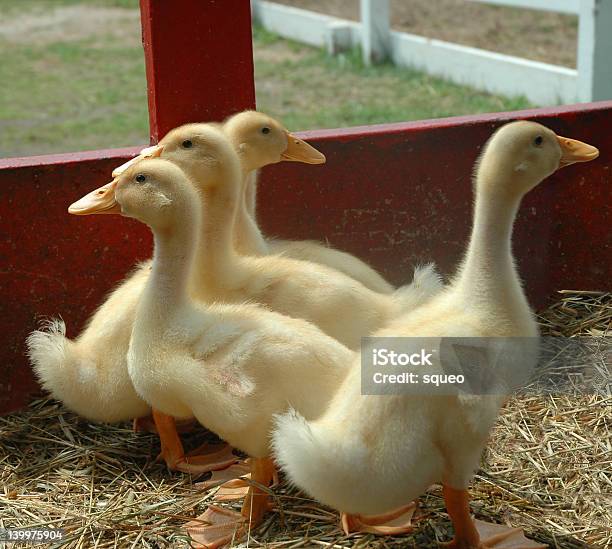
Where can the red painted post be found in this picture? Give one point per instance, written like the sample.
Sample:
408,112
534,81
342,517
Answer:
199,60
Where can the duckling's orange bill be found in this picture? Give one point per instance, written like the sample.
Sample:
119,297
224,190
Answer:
99,201
148,152
300,151
573,151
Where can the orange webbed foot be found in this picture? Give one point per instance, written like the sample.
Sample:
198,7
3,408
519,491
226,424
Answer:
238,484
233,490
238,470
395,523
206,458
216,527
499,536
477,534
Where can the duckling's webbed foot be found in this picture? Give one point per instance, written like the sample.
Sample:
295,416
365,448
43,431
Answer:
499,536
216,527
235,481
477,534
206,458
237,471
219,526
395,523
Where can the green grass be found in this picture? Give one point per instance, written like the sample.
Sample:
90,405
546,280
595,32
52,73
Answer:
15,7
64,92
72,96
312,89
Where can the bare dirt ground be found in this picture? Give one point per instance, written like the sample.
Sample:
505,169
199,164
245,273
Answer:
537,35
71,24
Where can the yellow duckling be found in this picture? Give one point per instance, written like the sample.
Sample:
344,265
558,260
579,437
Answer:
260,140
369,454
230,366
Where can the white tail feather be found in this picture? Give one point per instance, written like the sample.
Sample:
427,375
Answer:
294,445
47,350
95,391
425,284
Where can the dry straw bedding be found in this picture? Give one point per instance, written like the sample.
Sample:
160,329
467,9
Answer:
547,468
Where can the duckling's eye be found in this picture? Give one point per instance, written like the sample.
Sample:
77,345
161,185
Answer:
265,130
187,144
538,140
141,178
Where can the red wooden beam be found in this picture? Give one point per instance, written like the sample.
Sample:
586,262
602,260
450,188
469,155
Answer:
199,60
396,194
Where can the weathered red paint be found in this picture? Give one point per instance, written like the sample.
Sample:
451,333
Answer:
397,194
392,194
54,263
199,60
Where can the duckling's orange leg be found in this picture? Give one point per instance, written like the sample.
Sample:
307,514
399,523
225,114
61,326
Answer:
218,456
256,505
222,525
146,424
470,534
458,507
395,523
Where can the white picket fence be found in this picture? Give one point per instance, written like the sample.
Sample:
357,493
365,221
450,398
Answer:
541,83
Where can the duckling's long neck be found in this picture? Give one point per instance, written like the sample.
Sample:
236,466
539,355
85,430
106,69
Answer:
249,238
217,257
488,276
166,289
